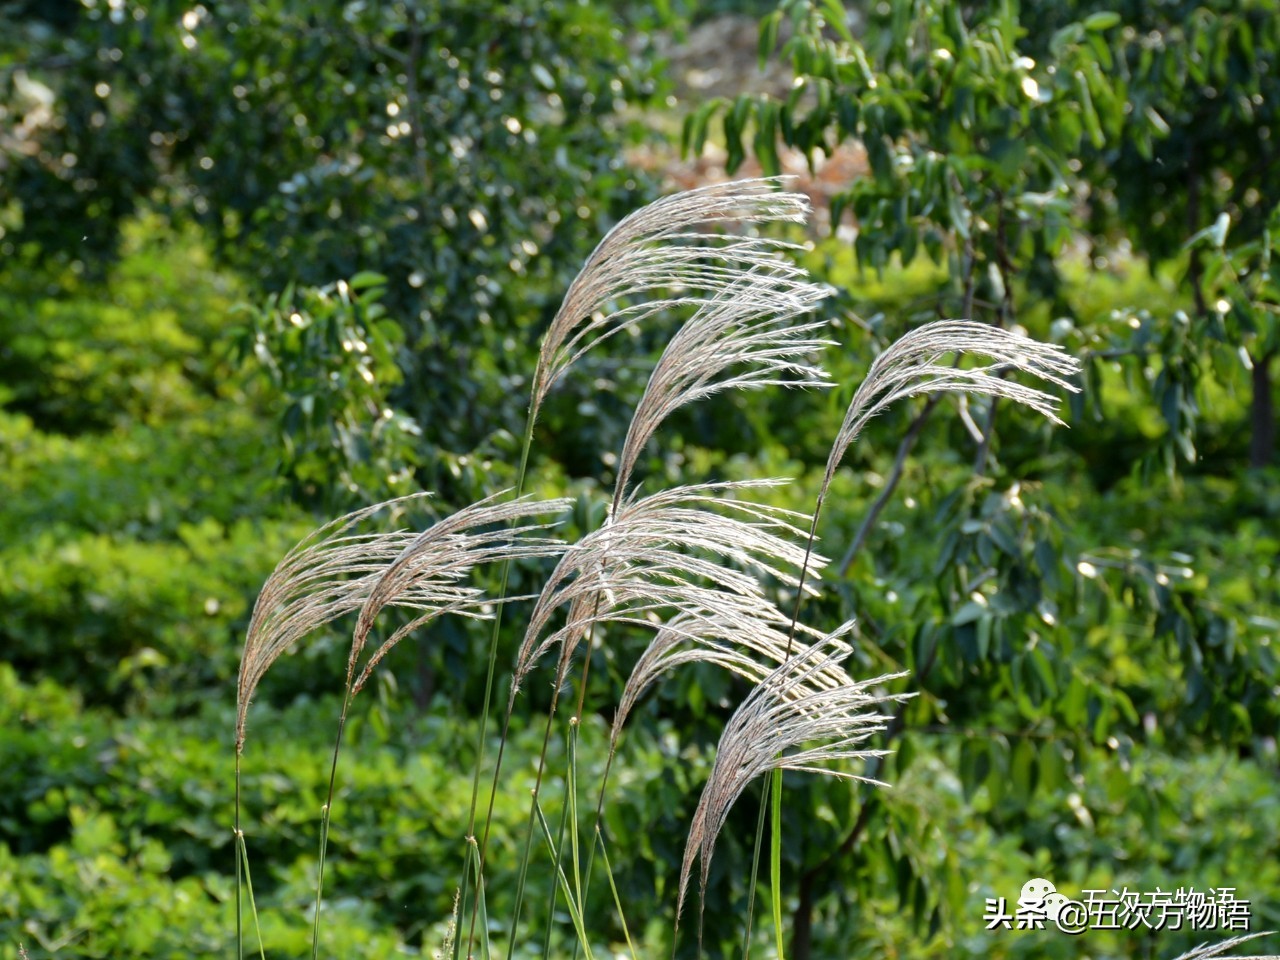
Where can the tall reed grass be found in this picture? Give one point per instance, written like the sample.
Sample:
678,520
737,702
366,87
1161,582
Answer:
700,567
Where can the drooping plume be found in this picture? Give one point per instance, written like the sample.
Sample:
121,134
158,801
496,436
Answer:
663,247
334,571
1221,949
787,722
327,574
667,553
428,575
752,649
911,366
743,338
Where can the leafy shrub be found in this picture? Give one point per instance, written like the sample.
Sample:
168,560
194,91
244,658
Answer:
121,620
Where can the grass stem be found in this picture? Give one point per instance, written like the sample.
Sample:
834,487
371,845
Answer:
243,859
755,872
617,901
555,889
326,814
775,856
521,475
574,912
238,836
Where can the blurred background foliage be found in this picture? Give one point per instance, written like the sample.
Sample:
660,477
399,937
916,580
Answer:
262,261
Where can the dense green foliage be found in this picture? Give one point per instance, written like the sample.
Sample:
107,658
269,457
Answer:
444,146
998,139
318,277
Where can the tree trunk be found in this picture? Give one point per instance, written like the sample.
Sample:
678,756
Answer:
1262,415
802,922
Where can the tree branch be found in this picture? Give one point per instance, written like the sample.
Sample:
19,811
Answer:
908,441
899,464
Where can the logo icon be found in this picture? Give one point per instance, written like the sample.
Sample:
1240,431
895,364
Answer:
1040,902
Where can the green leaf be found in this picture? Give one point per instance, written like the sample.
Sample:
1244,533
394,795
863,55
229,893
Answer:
1053,768
1092,125
1022,770
766,137
693,136
768,37
968,613
959,214
1102,20
975,764
366,278
1068,36
837,19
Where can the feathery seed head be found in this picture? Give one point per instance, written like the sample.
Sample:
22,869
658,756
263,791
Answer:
326,574
911,366
750,646
332,572
1223,947
669,552
742,338
660,247
427,575
787,722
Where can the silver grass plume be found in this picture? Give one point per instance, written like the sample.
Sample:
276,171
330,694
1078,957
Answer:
742,338
654,555
787,722
751,648
911,366
327,574
660,247
1207,950
427,576
333,571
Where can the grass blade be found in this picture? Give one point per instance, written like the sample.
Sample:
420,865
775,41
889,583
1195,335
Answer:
480,904
505,577
755,873
463,890
555,890
243,860
775,856
617,901
573,807
574,912
324,845
238,834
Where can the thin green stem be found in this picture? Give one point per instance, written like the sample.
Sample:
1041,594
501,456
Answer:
481,908
574,911
555,889
776,838
464,889
775,857
577,719
493,635
575,722
533,812
521,475
617,901
755,872
804,573
573,809
524,871
326,814
238,836
253,905
591,854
